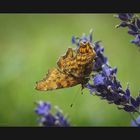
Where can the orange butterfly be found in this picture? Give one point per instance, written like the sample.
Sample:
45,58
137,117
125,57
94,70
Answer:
73,68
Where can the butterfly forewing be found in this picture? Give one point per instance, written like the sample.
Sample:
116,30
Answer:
55,79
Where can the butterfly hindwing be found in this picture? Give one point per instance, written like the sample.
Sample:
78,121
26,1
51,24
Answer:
65,58
55,79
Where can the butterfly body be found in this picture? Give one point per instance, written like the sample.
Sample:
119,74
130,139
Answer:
73,68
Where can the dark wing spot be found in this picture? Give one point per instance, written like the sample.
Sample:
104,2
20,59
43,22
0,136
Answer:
59,84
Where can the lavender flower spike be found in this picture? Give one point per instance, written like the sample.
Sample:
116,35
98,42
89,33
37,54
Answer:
131,21
104,81
47,119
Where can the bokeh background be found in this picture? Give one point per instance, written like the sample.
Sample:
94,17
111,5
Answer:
30,44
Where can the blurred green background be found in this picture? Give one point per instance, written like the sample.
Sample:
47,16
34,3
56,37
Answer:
30,44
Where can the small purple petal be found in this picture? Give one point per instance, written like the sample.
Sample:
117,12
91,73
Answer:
73,40
138,23
98,48
114,70
83,39
131,32
128,108
136,40
134,102
133,27
138,100
106,70
123,16
98,80
122,24
61,119
133,123
47,119
127,91
42,108
130,15
91,88
90,36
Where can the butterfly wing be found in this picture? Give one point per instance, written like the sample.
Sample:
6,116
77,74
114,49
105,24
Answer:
65,58
73,69
55,79
79,65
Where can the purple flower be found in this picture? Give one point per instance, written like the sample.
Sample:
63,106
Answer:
125,16
133,23
106,85
99,79
131,32
108,70
43,108
73,40
47,118
100,59
137,23
136,40
136,123
122,24
61,120
133,27
76,40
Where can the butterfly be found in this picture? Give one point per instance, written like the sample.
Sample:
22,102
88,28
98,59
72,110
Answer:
73,68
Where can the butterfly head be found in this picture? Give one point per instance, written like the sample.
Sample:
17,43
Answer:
83,43
85,47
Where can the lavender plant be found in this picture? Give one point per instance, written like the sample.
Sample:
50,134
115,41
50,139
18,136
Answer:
132,21
105,83
47,119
